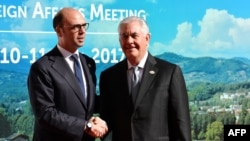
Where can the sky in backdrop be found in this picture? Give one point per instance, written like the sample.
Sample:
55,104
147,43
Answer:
191,28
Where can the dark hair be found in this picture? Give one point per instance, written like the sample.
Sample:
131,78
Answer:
57,19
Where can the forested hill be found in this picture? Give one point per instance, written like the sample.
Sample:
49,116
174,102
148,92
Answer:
13,86
208,69
205,69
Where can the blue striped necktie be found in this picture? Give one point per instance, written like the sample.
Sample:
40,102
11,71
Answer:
78,74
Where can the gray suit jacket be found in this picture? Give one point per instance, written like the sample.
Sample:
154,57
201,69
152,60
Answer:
56,99
161,111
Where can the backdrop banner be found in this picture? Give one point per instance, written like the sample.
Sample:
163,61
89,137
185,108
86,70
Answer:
209,40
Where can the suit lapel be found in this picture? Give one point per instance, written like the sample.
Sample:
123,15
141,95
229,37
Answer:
148,76
124,80
60,65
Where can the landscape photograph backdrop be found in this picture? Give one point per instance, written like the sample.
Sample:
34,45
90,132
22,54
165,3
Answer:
209,40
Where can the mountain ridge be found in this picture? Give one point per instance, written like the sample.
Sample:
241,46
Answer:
205,69
211,69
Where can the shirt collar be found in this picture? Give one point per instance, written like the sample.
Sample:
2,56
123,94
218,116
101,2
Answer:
66,53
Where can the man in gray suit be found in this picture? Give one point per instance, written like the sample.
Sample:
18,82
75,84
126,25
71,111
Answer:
159,110
63,107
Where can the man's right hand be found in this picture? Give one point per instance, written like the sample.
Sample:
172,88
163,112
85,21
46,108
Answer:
98,129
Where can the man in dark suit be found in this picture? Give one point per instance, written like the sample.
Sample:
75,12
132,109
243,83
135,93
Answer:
63,110
159,110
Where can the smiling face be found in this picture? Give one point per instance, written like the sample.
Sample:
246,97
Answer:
133,41
69,36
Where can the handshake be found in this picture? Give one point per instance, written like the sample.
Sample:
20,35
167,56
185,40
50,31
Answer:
96,127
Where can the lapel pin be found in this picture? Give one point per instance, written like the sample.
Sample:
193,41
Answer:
89,65
152,72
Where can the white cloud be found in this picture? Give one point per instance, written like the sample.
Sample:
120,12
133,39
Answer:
221,35
8,44
182,41
240,32
158,48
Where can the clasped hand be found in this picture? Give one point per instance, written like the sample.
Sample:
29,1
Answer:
98,129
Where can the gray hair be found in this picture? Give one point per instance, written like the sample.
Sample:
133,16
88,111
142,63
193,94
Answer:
144,26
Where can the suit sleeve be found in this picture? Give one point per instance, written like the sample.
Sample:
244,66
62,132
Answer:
179,108
42,97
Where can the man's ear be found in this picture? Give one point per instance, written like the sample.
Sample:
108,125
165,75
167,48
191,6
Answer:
148,36
58,31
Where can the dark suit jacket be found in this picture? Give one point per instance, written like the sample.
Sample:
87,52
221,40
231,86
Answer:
161,111
56,99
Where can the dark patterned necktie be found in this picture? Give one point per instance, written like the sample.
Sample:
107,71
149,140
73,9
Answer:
135,78
135,82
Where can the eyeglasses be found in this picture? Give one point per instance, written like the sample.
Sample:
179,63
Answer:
78,27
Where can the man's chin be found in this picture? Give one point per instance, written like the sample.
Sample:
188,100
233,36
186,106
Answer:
132,54
80,45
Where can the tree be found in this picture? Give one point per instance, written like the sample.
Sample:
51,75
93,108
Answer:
247,119
244,112
215,131
226,118
4,122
